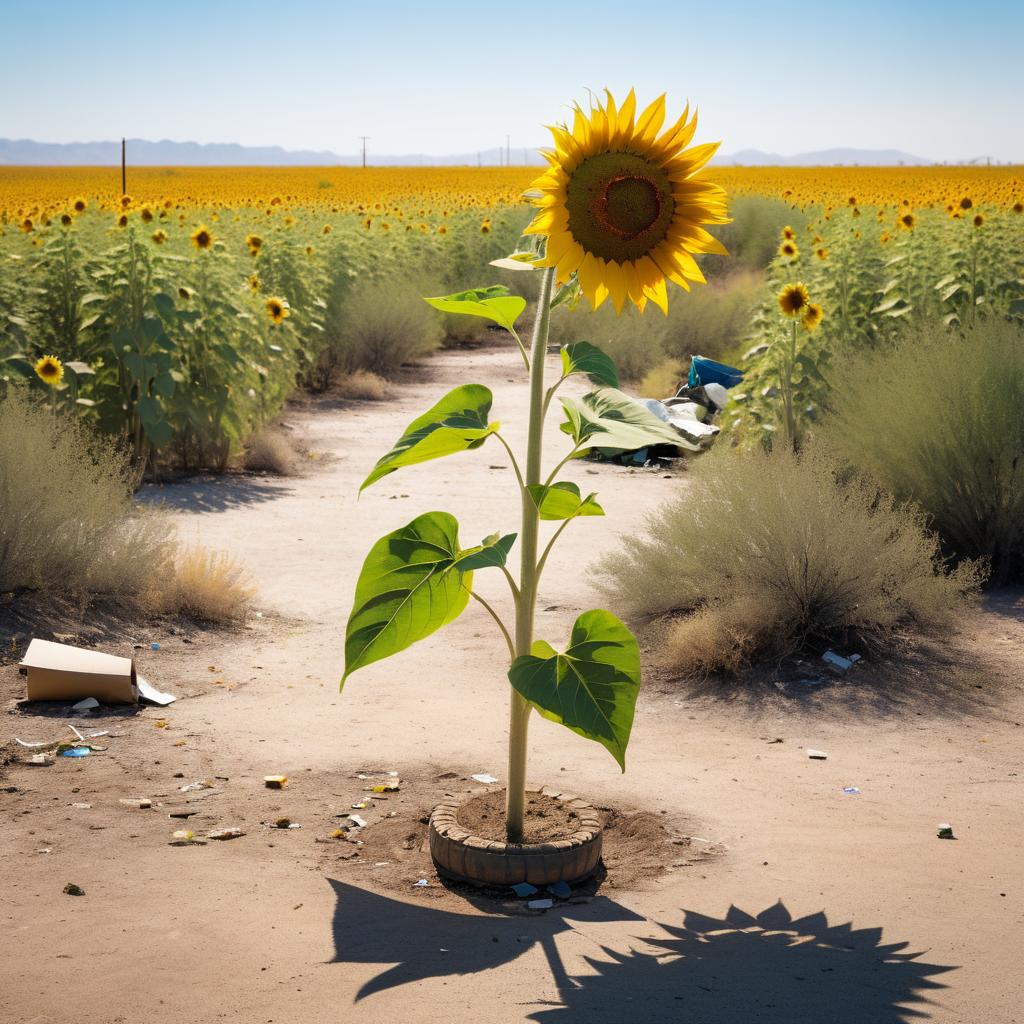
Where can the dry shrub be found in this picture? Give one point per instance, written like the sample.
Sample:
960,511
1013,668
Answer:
269,451
67,520
769,551
363,386
939,420
662,381
210,586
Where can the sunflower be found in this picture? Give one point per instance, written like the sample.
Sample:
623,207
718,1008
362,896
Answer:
50,370
485,226
26,225
622,207
254,282
966,203
789,234
80,205
146,214
255,243
794,299
201,237
814,315
159,236
277,310
1018,207
66,219
126,201
122,221
906,221
789,250
821,253
979,219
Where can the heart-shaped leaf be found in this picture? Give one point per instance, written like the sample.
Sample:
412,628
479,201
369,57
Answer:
607,418
502,309
456,424
582,357
563,501
492,553
409,587
592,687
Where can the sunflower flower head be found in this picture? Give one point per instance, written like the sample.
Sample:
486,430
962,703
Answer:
201,237
255,243
623,207
794,299
788,233
277,310
788,250
159,236
79,205
979,219
906,221
812,317
50,370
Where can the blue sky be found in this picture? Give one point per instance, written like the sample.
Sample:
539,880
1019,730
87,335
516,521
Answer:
938,79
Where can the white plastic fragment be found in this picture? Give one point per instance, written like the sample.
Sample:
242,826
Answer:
86,705
816,755
540,904
838,661
484,777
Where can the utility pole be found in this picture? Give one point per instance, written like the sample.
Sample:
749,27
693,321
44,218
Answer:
364,138
508,150
124,189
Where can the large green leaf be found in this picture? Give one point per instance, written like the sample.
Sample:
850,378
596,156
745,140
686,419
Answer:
607,418
457,423
501,309
563,501
492,553
582,357
409,587
592,687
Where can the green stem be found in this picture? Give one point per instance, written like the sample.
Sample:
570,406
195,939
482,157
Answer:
512,456
501,625
519,711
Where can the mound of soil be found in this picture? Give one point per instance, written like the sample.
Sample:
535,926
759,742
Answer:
545,818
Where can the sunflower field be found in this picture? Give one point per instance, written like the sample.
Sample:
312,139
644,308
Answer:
179,317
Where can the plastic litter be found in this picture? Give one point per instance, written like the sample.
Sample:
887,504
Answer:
142,802
484,777
359,806
86,705
707,371
34,745
76,752
73,890
357,821
540,904
225,833
851,790
40,760
524,889
193,787
945,831
560,889
275,781
817,755
421,884
839,662
184,837
154,647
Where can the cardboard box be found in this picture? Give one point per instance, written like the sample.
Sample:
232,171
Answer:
59,672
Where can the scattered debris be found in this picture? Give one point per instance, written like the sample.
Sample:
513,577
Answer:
182,814
225,833
392,786
357,807
560,889
149,694
82,807
76,752
275,781
545,904
839,662
816,755
40,761
154,646
524,889
850,790
193,787
945,831
73,890
357,821
484,777
421,884
86,705
183,837
142,803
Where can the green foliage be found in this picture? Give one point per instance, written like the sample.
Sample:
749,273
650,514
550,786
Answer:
502,310
809,553
563,500
939,419
457,423
591,687
410,585
582,357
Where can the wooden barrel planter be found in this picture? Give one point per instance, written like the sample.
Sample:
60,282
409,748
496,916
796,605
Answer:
461,856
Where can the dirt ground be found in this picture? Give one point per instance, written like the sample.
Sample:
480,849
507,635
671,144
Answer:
745,882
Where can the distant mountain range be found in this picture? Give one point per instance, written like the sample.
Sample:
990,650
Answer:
166,153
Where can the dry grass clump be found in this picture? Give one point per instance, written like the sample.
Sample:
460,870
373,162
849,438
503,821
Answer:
67,520
209,586
363,386
769,552
939,420
662,381
269,451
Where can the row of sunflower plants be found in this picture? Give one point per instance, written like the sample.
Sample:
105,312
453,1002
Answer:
870,273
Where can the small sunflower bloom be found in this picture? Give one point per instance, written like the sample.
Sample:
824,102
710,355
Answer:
821,253
979,219
788,250
159,236
906,221
254,243
50,370
202,238
794,299
277,310
813,317
788,233
79,205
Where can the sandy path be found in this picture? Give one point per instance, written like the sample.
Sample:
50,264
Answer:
256,930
